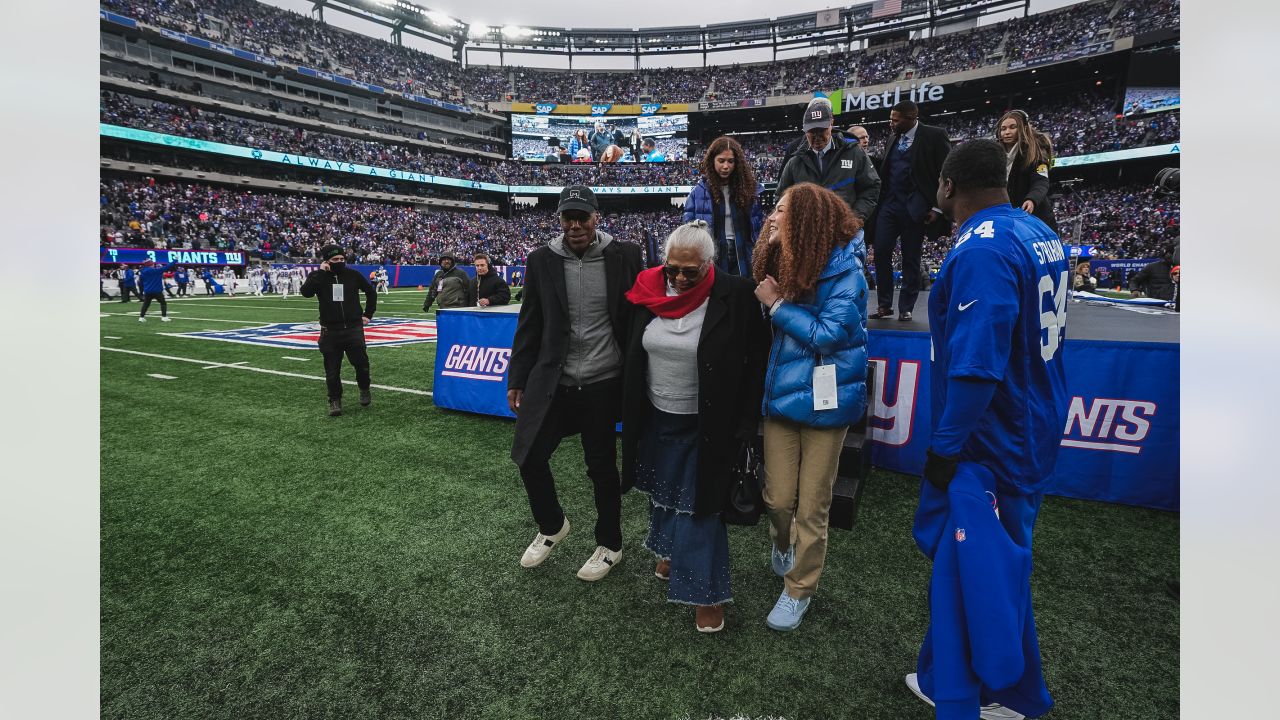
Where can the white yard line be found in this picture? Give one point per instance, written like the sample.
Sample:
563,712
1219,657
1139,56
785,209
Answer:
110,337
158,376
391,388
290,357
246,323
218,365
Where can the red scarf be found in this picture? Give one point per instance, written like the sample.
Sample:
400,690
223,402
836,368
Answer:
650,291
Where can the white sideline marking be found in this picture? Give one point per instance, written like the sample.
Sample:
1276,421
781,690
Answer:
110,337
392,388
218,365
158,376
290,357
237,322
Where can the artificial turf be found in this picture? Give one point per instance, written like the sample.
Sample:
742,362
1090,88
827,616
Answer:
262,560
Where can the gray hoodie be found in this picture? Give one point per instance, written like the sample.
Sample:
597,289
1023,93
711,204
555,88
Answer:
593,353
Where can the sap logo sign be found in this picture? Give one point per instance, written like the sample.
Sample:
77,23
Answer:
892,414
1109,425
545,108
650,109
477,363
600,109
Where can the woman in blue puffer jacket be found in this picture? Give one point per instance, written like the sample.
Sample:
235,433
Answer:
727,198
810,277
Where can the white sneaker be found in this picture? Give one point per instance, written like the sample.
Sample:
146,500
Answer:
142,319
599,564
542,546
994,711
166,318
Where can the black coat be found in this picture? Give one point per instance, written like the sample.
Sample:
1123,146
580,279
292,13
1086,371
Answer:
1155,280
733,349
858,184
1031,183
493,288
542,331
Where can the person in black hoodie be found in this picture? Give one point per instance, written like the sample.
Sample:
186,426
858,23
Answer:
491,289
443,280
342,321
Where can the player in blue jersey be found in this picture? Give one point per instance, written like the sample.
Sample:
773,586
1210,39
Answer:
997,316
153,288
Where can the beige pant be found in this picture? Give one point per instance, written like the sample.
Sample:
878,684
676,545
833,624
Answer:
800,465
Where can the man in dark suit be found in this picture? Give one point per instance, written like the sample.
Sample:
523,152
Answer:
908,193
565,376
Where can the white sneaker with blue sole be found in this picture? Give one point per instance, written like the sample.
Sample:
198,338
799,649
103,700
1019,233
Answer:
787,613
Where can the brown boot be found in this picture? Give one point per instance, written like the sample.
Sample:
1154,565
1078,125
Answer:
710,618
663,570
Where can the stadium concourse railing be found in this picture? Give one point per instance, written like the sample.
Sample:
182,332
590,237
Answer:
232,108
203,176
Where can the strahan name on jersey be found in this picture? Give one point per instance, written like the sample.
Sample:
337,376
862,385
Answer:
998,312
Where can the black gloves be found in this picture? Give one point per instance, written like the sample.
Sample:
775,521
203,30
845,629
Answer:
939,469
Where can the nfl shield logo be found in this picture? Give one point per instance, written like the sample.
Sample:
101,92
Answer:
959,534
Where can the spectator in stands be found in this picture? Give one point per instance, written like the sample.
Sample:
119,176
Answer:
833,162
909,171
450,285
810,279
727,198
1029,155
565,373
691,398
491,289
578,143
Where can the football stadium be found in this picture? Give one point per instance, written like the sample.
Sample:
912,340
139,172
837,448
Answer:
433,300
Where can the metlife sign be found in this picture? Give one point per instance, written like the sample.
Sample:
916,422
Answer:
923,93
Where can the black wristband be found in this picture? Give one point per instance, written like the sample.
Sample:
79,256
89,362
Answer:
939,469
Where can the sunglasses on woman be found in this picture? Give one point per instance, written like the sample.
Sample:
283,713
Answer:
689,273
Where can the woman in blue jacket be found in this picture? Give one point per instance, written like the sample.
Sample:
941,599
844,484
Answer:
727,198
810,278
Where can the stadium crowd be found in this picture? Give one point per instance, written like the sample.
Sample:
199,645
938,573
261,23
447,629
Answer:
1122,221
168,214
296,38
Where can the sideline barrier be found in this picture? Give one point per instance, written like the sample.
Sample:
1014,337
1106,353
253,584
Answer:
1120,444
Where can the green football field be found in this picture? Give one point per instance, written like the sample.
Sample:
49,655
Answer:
262,560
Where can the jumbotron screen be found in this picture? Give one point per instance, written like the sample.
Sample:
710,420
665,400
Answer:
1154,84
611,138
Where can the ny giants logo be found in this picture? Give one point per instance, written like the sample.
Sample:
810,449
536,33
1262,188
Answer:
477,363
1109,424
1106,424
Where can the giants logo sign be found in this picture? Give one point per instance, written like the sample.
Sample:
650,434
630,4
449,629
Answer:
890,422
477,363
1108,424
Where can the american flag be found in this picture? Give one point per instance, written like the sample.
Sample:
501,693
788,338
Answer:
885,8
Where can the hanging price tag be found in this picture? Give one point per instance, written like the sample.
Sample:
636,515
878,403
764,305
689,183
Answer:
824,387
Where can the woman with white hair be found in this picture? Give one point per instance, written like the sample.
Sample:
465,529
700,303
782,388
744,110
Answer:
692,386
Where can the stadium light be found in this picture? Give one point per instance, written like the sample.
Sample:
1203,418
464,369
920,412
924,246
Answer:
516,31
439,18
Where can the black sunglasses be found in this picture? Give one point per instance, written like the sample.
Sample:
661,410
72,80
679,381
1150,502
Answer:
671,271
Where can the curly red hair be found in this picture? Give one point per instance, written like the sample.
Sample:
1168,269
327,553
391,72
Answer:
815,222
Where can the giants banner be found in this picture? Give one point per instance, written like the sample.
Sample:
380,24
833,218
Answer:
1119,442
1121,437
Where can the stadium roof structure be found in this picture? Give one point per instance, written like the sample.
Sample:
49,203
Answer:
816,28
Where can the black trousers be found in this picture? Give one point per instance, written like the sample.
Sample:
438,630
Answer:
892,224
125,289
182,289
146,303
334,343
592,411
208,288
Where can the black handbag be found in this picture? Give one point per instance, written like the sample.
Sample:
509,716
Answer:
745,502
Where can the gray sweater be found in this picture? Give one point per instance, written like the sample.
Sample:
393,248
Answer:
593,352
672,346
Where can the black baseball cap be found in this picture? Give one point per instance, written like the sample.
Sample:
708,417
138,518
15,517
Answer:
817,114
330,251
577,197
